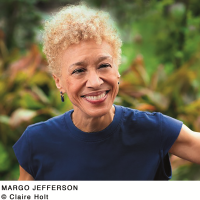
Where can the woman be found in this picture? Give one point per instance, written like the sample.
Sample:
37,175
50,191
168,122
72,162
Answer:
97,140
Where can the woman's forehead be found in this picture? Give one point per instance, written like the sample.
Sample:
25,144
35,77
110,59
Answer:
90,44
88,50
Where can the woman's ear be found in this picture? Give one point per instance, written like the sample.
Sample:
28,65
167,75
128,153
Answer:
57,81
118,75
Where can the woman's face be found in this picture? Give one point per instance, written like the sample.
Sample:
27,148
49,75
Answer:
89,77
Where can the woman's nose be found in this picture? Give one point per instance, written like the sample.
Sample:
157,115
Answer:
93,80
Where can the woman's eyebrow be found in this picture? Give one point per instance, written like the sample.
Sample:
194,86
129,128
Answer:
83,63
103,58
80,63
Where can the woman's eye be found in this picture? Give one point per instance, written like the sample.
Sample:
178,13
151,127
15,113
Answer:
104,65
78,71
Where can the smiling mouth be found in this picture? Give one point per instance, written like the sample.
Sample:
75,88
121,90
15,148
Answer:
96,97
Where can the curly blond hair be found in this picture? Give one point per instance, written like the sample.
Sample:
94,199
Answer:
74,24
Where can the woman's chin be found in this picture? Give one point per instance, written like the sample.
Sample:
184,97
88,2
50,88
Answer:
98,112
94,111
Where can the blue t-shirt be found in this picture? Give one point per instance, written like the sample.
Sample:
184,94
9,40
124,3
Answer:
133,147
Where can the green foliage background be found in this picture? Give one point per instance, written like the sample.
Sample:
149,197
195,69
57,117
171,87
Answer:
160,68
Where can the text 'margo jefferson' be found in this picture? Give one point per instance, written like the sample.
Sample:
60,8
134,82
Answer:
40,187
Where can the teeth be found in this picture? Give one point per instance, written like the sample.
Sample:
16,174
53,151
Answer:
96,97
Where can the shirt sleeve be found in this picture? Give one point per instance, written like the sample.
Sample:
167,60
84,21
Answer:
170,129
22,150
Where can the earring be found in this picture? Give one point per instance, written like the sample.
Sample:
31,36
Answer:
62,97
118,82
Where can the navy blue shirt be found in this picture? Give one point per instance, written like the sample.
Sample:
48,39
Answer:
133,147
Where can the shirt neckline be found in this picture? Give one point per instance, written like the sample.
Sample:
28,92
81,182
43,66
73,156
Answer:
94,136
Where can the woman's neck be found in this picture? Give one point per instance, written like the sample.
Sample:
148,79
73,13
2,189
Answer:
91,124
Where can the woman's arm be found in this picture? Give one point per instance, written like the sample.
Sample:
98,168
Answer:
187,145
24,175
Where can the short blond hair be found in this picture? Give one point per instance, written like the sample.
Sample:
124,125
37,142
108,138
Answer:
76,23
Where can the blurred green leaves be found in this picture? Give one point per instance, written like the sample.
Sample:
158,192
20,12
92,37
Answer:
160,68
4,159
28,95
21,20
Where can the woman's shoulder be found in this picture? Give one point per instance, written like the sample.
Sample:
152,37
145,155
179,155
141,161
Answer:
53,125
135,114
144,119
50,122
